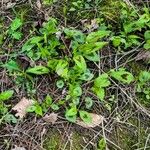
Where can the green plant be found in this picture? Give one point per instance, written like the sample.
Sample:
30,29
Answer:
122,75
147,39
5,115
71,114
85,116
102,144
14,29
67,53
99,85
40,109
49,2
69,58
143,85
132,23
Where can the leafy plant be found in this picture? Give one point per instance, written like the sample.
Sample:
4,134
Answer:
99,85
38,70
14,29
68,53
88,102
132,23
147,39
6,95
85,116
60,84
122,75
102,144
143,85
71,114
4,113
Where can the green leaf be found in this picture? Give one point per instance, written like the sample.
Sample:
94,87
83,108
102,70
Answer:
38,70
31,108
93,57
62,68
71,118
17,35
11,66
52,64
99,46
76,100
6,95
60,84
87,76
90,48
122,75
71,113
147,45
102,81
38,110
85,116
144,76
88,102
49,27
100,92
129,27
35,40
27,47
95,36
116,41
80,62
75,90
147,35
10,118
75,34
16,23
1,39
54,106
102,144
48,100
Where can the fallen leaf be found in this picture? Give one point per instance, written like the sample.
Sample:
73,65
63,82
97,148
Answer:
144,55
18,148
94,24
96,120
90,25
38,4
10,5
51,118
21,107
6,1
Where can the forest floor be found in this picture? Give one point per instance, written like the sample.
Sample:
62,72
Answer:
74,75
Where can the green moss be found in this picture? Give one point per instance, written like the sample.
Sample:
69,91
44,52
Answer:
55,141
132,137
110,9
77,140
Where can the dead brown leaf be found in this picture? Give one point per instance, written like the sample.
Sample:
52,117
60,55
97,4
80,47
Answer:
96,120
38,4
51,118
18,148
21,107
10,5
90,25
144,55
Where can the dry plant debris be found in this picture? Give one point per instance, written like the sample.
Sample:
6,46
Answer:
96,121
144,55
18,148
51,118
21,107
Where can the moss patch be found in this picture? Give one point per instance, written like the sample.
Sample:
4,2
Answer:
56,141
